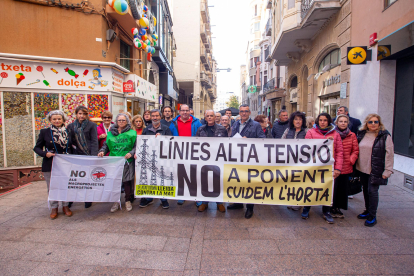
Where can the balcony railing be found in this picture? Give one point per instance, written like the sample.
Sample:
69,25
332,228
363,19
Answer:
269,86
267,54
306,5
269,27
204,12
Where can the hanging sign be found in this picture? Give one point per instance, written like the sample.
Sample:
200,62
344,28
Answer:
357,55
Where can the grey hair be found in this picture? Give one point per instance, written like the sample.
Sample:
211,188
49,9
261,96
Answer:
126,117
205,112
280,112
156,110
56,112
344,107
225,116
245,105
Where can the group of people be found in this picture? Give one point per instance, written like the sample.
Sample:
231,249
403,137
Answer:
361,151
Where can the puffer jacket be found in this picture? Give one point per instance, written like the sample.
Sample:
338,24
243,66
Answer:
218,130
350,152
279,128
314,133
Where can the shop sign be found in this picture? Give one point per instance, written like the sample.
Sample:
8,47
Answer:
129,86
117,80
357,55
160,99
143,89
383,51
332,80
41,75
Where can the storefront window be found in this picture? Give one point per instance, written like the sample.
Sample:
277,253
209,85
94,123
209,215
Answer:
70,102
97,104
125,54
117,105
333,58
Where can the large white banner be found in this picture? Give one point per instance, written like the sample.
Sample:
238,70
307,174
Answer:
81,178
259,171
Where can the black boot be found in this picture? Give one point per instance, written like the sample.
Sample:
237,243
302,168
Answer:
88,204
235,206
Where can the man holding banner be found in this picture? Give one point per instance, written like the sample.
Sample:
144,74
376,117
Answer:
247,128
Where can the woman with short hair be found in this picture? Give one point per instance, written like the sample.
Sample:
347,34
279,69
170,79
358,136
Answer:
147,117
121,142
51,141
138,124
375,163
104,127
264,123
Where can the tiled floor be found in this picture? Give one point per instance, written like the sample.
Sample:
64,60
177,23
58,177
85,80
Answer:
182,241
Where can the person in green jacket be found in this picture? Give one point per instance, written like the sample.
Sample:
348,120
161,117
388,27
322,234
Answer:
121,141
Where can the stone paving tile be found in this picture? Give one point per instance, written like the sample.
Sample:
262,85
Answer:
49,253
271,233
18,221
101,256
135,242
304,247
50,236
397,264
196,246
395,246
353,247
46,269
247,247
76,225
321,232
158,260
13,234
177,245
161,230
191,273
16,267
215,247
284,264
109,270
95,239
232,264
226,234
167,273
15,250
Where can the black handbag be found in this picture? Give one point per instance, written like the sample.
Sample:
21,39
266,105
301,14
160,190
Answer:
354,184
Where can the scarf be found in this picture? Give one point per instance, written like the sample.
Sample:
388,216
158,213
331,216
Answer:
80,135
115,131
325,130
60,136
342,133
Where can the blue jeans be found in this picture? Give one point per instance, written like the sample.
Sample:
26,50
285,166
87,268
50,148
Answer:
206,202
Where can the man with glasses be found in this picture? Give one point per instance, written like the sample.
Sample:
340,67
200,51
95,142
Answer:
157,129
184,124
354,123
247,128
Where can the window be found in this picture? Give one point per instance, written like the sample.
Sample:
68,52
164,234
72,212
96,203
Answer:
256,59
257,26
125,54
294,82
291,4
333,58
251,63
255,10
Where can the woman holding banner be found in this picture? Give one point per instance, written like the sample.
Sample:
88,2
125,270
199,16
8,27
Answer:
375,163
121,142
350,153
53,140
296,130
324,129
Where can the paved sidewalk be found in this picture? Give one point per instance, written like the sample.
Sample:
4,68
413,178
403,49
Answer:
181,241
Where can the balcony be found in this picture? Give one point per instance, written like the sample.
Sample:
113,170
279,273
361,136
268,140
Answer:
252,71
204,12
205,80
207,44
297,31
203,55
203,33
269,27
126,21
269,86
267,55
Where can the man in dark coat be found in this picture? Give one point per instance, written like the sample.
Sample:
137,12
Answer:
280,125
247,128
167,112
228,113
354,123
155,128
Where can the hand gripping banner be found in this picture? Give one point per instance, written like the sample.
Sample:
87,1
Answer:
80,178
259,171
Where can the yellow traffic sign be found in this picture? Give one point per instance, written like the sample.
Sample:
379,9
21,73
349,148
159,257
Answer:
383,51
357,55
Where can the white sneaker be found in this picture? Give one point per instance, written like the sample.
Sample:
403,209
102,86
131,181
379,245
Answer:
115,207
128,206
351,197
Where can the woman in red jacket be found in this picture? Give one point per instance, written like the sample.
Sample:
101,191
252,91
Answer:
103,128
350,153
324,129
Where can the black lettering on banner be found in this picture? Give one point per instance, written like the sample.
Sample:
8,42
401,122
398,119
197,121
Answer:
267,193
249,189
313,154
242,146
279,153
254,155
182,176
304,153
77,174
205,151
325,194
193,150
187,151
257,194
328,154
271,176
294,154
230,158
236,175
291,194
228,191
280,194
295,176
169,150
221,153
300,191
161,147
308,193
311,178
249,175
240,190
317,192
216,181
323,175
269,152
278,173
178,150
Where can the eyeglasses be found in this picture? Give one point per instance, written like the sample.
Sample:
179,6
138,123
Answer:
185,110
121,120
107,117
244,111
373,122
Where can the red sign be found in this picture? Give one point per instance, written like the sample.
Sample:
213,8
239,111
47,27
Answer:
373,39
129,87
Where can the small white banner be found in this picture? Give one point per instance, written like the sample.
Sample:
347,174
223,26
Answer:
80,178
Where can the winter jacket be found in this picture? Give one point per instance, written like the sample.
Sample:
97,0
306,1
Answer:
350,152
314,133
164,130
279,128
268,132
252,129
45,144
195,124
166,123
291,132
219,131
91,136
378,156
101,130
353,125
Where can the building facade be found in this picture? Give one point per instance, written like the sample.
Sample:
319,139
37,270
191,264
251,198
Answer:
194,63
222,99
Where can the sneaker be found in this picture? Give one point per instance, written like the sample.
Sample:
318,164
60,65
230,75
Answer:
165,204
221,208
364,215
198,203
371,221
350,197
145,202
329,219
180,202
115,207
294,208
128,206
339,214
334,212
305,212
202,207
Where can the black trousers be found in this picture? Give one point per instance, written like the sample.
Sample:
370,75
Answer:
340,196
248,206
371,195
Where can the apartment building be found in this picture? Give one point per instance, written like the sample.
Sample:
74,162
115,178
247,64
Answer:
194,64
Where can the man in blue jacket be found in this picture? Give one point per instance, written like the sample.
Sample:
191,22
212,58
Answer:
247,128
184,125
